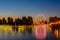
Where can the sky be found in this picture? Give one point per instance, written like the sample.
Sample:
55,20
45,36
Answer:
29,7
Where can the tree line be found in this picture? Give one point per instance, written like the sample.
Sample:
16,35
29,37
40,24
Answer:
53,19
24,20
18,21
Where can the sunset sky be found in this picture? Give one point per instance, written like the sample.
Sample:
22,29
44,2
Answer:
29,7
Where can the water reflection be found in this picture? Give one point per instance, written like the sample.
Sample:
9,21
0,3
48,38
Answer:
8,34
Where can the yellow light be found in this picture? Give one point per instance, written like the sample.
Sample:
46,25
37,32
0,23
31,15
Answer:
56,33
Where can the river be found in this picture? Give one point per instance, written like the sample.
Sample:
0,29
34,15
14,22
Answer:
11,35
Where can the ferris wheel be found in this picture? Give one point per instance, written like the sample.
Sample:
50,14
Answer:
40,31
39,17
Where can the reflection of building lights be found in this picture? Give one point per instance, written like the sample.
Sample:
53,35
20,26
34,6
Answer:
56,33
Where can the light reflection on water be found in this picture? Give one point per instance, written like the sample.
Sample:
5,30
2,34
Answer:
7,35
11,35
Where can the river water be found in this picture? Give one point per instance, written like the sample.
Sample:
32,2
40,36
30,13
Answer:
11,35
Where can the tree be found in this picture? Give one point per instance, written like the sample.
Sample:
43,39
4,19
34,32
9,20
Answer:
58,18
10,20
18,21
55,18
3,21
45,22
0,22
51,19
24,20
29,20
